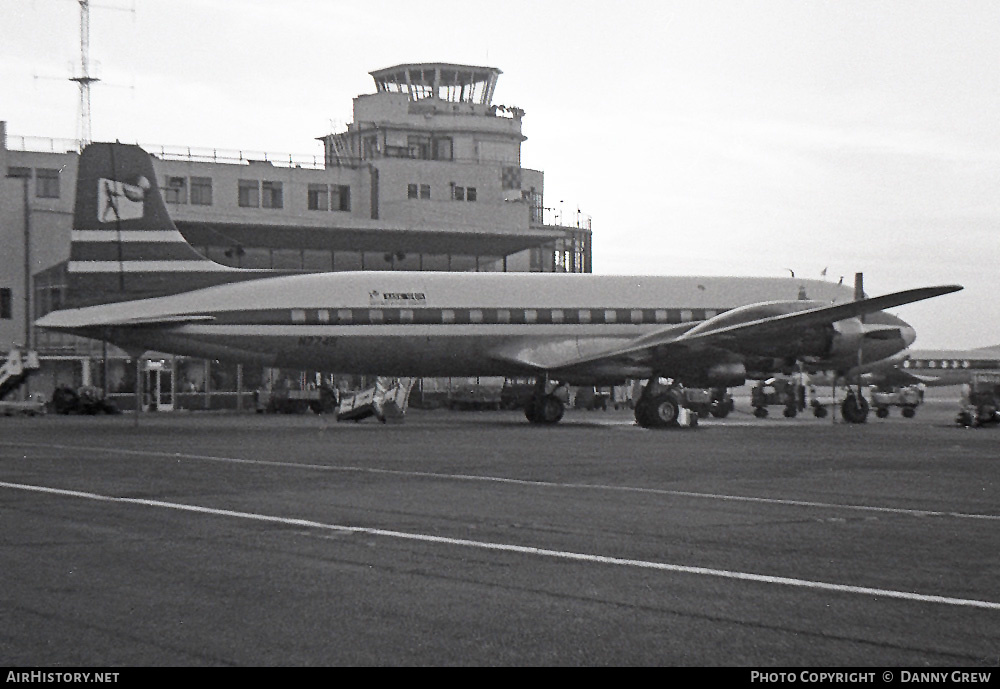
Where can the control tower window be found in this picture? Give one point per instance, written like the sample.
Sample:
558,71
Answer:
419,147
443,149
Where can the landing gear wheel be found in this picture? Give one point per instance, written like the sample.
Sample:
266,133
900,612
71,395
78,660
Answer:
909,412
531,411
660,411
722,409
855,409
548,409
790,412
882,412
819,412
760,412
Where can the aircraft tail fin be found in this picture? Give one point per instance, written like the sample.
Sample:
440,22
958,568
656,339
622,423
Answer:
124,244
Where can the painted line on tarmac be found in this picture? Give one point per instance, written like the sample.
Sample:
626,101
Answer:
524,482
520,549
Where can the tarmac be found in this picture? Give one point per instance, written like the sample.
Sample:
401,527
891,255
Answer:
475,538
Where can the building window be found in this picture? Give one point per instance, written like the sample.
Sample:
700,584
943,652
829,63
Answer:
201,191
442,149
176,190
458,193
21,172
272,195
319,197
46,183
249,193
412,191
5,306
340,197
470,194
419,147
425,191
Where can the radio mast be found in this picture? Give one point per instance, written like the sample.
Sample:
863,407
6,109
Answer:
84,79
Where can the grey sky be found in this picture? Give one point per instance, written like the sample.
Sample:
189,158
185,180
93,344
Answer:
702,137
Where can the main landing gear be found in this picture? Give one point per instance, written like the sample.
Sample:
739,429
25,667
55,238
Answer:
546,405
660,405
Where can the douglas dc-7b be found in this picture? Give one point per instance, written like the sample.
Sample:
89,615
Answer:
148,289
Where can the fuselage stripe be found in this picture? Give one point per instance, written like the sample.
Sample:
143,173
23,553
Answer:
463,316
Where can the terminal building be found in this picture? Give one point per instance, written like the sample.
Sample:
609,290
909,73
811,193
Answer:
427,176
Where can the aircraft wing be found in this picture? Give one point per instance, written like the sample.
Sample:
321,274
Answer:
714,338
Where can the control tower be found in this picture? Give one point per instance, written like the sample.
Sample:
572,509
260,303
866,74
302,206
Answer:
430,111
452,83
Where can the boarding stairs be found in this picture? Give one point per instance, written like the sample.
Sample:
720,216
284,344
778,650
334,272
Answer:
386,401
20,364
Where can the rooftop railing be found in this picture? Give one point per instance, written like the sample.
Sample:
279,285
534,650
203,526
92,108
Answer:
40,144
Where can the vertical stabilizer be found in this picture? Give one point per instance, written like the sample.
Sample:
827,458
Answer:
124,244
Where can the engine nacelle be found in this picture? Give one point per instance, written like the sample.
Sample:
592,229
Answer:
727,374
848,336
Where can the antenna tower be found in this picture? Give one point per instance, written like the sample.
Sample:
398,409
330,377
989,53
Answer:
84,79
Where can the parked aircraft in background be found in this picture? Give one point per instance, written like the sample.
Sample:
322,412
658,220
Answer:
148,289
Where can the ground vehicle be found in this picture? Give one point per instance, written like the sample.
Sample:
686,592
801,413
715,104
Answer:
319,400
980,401
85,400
715,402
33,406
907,398
787,393
589,397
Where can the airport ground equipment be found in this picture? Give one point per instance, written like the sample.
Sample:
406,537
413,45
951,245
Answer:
591,398
35,405
906,398
318,400
85,400
717,402
778,392
386,401
980,404
477,393
17,368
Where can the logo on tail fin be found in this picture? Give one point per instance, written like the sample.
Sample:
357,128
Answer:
119,200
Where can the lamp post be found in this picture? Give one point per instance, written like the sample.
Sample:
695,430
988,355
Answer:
25,176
